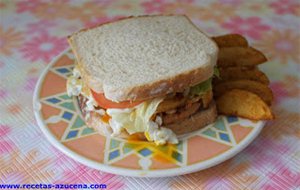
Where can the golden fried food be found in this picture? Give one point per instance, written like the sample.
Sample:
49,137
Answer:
241,73
230,40
207,98
262,90
182,114
240,56
243,104
171,103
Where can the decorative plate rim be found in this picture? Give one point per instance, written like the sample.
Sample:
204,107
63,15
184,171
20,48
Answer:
133,172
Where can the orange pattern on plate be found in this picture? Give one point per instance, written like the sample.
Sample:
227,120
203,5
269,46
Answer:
197,153
131,161
240,132
58,128
63,61
92,147
159,162
48,111
53,84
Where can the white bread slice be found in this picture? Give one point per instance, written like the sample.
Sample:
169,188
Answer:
139,58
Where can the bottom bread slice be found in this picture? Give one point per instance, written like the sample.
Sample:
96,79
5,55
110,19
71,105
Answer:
196,121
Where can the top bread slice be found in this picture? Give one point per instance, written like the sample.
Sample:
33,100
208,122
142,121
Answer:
143,57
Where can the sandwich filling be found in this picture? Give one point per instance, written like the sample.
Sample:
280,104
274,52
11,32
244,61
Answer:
150,117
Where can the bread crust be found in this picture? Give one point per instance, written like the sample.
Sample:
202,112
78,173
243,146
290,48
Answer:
147,91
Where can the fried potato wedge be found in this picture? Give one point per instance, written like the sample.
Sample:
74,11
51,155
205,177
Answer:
262,90
243,104
230,40
240,56
241,73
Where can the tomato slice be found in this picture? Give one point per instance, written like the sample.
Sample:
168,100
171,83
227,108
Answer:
106,103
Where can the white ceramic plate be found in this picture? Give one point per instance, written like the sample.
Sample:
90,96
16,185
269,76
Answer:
61,121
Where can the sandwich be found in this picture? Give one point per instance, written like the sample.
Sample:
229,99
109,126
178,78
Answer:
144,78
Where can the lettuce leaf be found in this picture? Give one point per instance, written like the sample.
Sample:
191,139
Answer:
216,72
205,86
136,119
201,88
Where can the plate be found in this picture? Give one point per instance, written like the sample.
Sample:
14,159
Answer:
60,119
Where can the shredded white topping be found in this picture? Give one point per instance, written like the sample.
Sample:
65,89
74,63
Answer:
160,135
116,127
